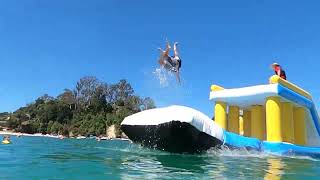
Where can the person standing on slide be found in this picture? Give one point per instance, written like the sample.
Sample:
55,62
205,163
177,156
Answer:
279,71
171,63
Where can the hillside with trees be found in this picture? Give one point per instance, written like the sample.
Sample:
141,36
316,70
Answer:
88,109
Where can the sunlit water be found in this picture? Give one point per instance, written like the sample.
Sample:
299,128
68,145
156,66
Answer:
49,158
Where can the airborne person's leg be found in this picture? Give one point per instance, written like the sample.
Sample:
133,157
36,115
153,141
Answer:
164,54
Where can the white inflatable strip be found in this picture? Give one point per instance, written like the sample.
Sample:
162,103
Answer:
176,113
246,96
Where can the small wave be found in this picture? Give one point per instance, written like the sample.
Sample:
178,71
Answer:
300,157
227,152
244,153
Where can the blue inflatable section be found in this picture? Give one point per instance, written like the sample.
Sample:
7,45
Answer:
303,101
315,118
290,149
236,141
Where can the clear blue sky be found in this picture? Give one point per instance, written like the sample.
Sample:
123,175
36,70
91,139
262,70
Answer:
46,46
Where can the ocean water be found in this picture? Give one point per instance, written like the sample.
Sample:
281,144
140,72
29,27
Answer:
49,158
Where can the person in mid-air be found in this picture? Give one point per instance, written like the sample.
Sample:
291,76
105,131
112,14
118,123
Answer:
171,63
279,71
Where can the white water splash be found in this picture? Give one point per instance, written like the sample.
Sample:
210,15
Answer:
227,152
243,153
163,76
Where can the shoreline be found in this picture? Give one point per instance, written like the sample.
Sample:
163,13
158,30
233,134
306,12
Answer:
26,134
55,136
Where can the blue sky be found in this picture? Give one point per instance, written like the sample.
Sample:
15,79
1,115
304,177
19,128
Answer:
46,46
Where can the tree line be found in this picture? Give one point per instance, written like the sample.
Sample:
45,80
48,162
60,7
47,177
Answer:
86,110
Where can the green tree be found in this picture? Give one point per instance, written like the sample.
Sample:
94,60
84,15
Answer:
88,109
68,97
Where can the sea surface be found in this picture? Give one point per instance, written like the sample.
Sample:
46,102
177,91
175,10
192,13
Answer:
50,158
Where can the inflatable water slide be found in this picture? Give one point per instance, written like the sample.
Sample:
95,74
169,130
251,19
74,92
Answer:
278,117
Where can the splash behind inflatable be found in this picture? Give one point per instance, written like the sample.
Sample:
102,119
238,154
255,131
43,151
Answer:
278,117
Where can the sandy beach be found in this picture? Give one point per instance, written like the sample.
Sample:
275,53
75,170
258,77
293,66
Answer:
11,133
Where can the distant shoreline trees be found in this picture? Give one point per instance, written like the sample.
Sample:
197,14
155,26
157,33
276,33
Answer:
88,109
